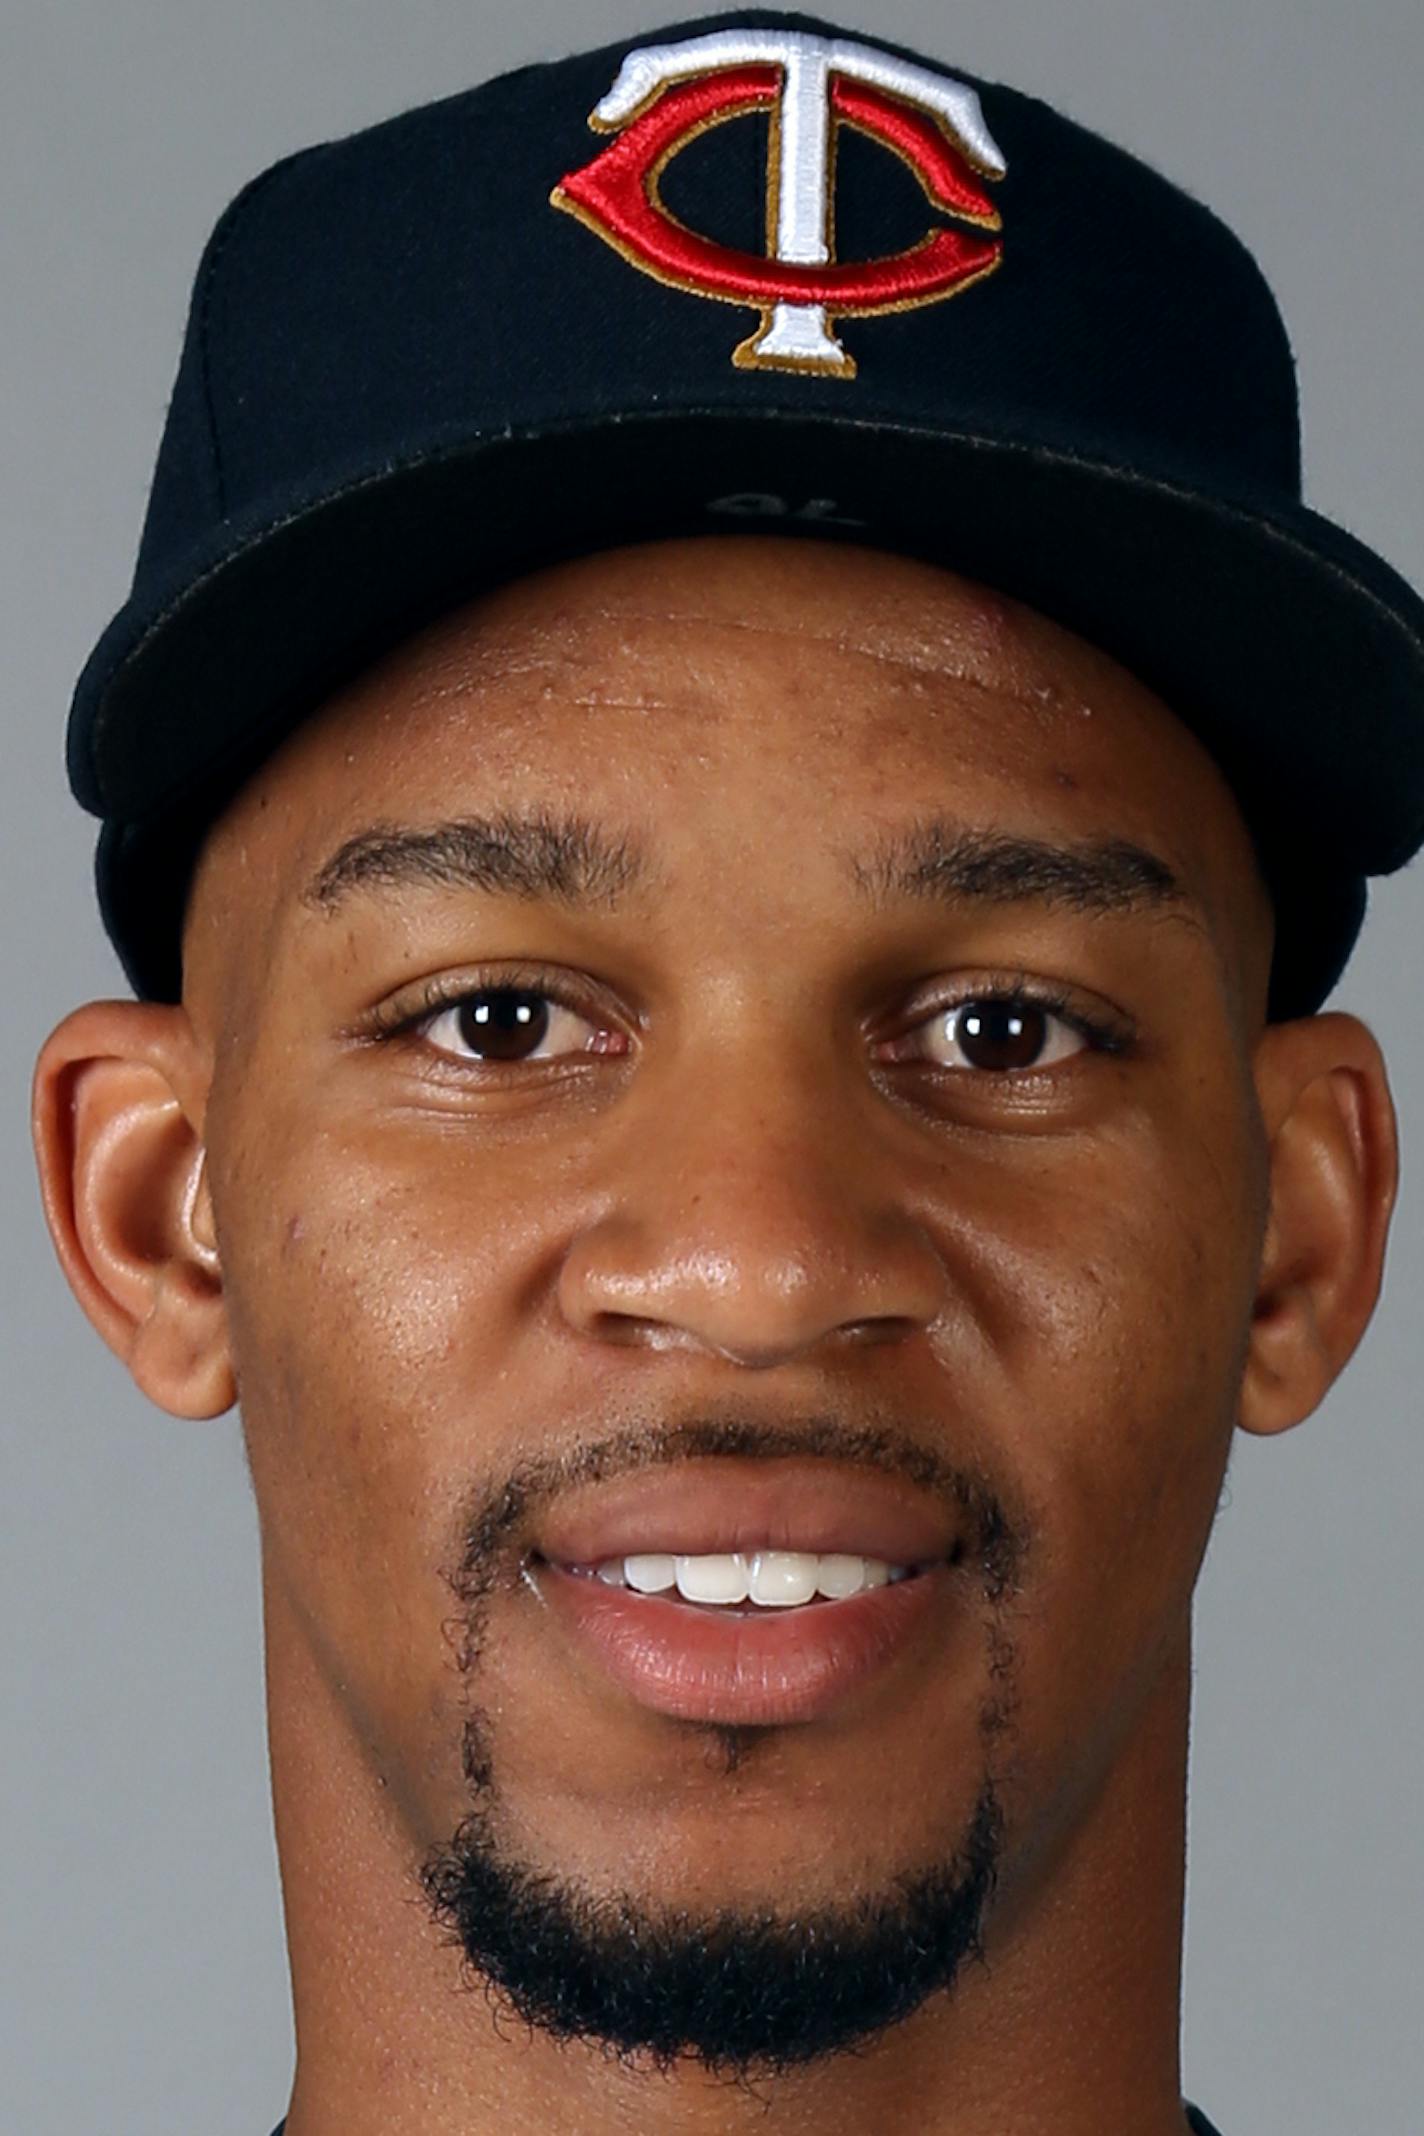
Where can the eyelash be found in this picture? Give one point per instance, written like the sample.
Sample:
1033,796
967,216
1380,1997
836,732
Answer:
1016,993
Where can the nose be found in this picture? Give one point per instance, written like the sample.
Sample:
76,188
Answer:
754,1219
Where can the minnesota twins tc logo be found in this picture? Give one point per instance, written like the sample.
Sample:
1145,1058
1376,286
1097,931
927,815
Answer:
666,95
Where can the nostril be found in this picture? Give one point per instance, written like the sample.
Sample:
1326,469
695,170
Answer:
884,1327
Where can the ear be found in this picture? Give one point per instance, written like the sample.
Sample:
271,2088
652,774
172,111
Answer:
118,1097
1334,1171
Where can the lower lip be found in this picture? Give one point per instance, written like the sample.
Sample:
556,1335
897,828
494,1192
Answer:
777,1665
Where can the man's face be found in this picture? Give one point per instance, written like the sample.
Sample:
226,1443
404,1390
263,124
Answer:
757,1221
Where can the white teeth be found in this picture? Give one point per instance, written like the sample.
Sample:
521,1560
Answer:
650,1574
840,1576
773,1579
781,1577
712,1579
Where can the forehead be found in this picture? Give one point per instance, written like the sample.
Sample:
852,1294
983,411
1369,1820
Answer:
751,689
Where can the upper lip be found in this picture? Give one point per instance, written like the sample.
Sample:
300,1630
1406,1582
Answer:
706,1506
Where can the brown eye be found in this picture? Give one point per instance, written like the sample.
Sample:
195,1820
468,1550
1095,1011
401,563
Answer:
505,1025
998,1035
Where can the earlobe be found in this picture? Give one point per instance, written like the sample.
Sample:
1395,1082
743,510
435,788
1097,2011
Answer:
1329,1122
124,1182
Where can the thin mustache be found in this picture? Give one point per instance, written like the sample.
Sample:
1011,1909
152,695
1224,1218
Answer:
998,1540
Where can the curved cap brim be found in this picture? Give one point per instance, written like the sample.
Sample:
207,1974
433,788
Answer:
1292,651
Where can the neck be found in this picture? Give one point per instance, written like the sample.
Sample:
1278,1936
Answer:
1071,2026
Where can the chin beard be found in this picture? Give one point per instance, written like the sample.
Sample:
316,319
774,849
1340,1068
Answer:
744,1993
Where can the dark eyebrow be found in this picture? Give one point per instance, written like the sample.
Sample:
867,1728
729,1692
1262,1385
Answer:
572,861
564,858
953,863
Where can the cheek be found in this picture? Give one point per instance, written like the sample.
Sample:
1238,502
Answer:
367,1336
1114,1286
362,1267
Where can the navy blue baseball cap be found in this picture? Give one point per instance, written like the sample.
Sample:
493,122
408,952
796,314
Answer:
748,272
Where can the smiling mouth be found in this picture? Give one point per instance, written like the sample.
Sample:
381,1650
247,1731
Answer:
718,1590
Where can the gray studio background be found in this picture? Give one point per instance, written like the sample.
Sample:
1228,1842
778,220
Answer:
144,1984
